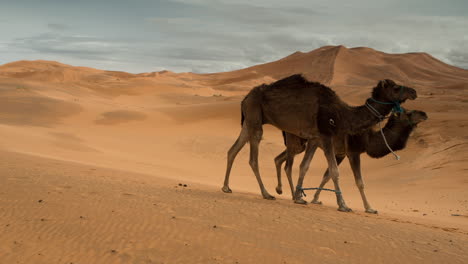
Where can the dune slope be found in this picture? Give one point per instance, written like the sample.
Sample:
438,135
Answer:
73,213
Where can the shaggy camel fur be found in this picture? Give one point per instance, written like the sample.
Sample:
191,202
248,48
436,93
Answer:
312,111
397,132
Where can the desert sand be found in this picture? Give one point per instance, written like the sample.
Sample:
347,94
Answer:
91,162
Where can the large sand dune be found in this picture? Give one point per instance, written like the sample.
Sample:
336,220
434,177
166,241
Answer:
104,151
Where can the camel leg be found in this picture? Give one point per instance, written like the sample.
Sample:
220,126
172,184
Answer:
325,179
288,170
355,162
255,138
278,162
309,154
232,153
333,171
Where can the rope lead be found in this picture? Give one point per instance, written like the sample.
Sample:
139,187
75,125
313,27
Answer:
323,189
386,143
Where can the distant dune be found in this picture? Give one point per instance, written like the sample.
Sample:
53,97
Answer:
105,151
338,65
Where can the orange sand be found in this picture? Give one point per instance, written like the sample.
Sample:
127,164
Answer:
105,152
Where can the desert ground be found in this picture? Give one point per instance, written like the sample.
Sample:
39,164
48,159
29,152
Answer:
110,167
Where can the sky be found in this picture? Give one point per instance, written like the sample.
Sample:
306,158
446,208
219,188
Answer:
205,36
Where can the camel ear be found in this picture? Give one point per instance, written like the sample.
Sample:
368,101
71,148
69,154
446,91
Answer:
383,83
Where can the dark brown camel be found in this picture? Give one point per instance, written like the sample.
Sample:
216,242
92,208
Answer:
397,131
312,111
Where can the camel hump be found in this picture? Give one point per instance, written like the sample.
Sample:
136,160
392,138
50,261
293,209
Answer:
291,81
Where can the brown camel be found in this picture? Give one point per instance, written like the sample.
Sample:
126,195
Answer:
397,131
312,111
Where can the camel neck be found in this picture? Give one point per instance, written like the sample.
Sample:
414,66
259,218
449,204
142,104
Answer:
397,134
363,117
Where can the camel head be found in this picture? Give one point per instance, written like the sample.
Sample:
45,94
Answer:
388,91
413,117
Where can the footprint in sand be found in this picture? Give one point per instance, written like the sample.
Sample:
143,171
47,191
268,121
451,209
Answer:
327,250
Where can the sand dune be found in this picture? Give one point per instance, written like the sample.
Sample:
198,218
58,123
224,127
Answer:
105,151
23,107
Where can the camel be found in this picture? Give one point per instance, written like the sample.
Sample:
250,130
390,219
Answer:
311,111
397,132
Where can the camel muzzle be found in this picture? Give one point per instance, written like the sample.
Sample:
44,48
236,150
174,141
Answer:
412,93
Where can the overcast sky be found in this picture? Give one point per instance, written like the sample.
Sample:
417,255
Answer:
212,36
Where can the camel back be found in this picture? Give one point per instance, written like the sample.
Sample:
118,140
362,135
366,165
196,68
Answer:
293,102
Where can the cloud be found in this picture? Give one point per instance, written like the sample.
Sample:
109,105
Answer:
212,36
68,45
82,50
57,27
458,54
232,35
252,34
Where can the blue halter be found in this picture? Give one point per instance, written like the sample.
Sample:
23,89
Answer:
396,105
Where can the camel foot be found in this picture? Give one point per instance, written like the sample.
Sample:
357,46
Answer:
279,190
298,196
268,196
371,211
226,189
316,202
300,201
344,209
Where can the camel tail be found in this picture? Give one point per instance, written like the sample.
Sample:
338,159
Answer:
242,118
284,137
242,109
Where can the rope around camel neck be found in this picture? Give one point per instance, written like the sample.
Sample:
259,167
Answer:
386,143
381,118
374,111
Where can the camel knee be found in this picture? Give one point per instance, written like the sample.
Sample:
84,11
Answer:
278,161
238,145
360,184
304,167
256,135
253,163
231,153
334,174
